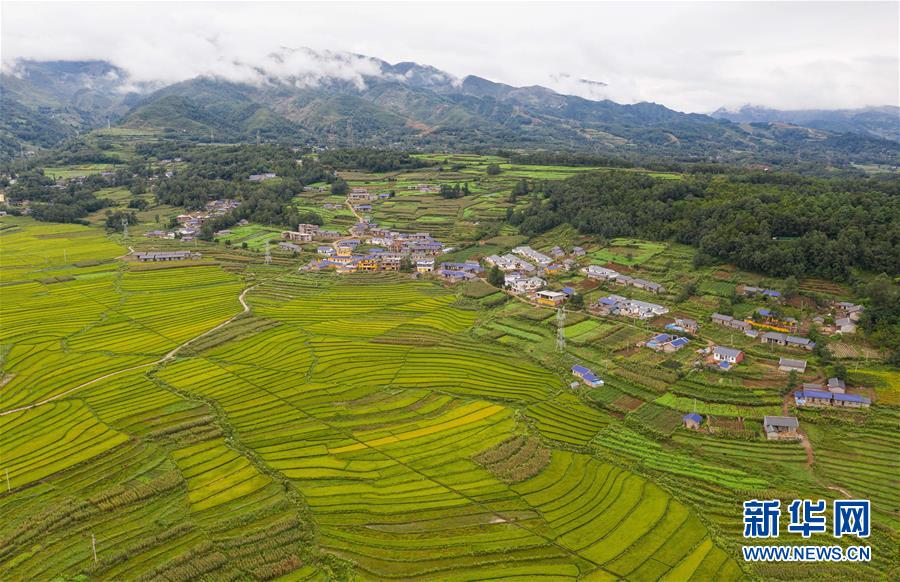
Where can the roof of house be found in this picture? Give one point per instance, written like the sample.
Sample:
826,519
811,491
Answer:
814,394
792,363
721,317
568,291
785,421
580,369
678,342
771,293
728,352
851,398
836,383
693,416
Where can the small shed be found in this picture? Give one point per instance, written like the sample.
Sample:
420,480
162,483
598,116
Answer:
692,421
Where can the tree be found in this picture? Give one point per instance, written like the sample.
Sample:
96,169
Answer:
791,287
339,187
576,301
115,220
495,277
839,371
493,169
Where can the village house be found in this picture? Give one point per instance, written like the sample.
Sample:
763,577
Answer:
551,298
166,256
391,261
530,253
789,365
359,195
665,342
648,286
325,251
296,236
727,357
557,252
601,273
578,251
618,305
425,265
160,234
837,385
816,398
454,276
520,283
781,427
586,376
467,267
781,339
509,262
692,421
683,324
291,247
845,325
749,291
261,177
728,321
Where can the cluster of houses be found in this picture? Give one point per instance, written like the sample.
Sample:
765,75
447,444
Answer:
609,275
666,342
537,262
189,224
770,337
164,256
683,324
307,232
262,177
618,305
846,318
425,188
833,394
586,376
359,195
455,271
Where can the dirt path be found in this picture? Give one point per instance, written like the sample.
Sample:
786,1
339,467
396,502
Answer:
810,459
165,358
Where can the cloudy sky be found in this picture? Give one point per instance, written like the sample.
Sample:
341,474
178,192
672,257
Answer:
691,56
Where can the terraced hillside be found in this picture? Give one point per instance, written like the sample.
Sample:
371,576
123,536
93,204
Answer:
237,421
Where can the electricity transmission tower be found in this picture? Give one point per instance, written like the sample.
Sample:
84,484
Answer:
560,330
125,226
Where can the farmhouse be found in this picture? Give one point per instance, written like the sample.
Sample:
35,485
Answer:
601,273
551,298
683,324
453,276
666,342
845,325
296,236
727,356
837,385
530,253
425,265
731,322
359,195
789,365
781,427
509,263
578,251
586,376
290,247
807,397
692,421
618,305
749,291
648,285
520,283
325,251
467,267
166,256
160,234
781,339
261,177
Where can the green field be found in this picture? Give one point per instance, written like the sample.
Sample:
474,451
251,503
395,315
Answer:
226,419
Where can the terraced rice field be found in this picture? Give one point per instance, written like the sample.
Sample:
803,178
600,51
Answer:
361,427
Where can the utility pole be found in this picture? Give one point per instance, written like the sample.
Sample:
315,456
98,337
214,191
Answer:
560,330
65,256
94,546
8,488
268,254
125,227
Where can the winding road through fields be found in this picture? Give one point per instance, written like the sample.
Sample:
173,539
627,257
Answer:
165,358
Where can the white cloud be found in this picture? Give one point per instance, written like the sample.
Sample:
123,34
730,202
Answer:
690,56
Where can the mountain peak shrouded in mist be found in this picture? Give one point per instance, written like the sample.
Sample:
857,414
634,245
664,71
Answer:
347,99
875,121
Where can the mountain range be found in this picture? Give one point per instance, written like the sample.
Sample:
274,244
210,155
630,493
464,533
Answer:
352,100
